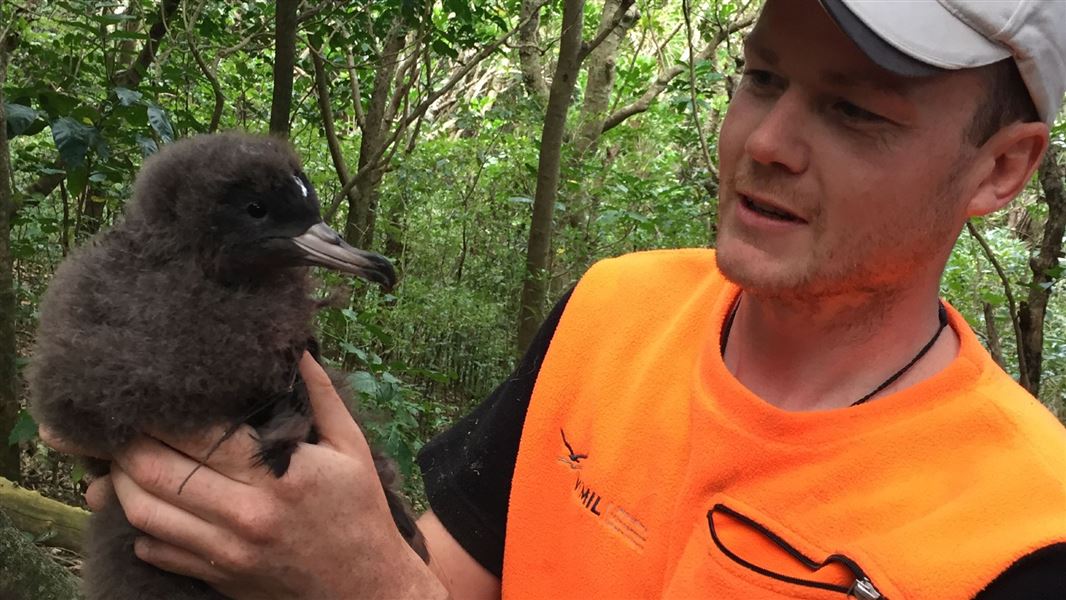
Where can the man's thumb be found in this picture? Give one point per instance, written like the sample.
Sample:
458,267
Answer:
333,421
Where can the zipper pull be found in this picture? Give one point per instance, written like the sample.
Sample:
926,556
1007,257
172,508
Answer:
864,589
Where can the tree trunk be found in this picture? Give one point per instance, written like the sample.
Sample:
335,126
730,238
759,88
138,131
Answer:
531,305
9,406
359,227
601,74
599,84
529,51
995,347
1052,178
284,63
91,217
127,48
132,76
27,573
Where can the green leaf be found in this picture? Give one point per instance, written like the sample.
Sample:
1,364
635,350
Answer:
992,297
56,104
103,151
25,429
77,472
378,333
86,115
157,118
442,47
73,140
364,382
77,179
19,119
112,19
128,35
147,145
128,97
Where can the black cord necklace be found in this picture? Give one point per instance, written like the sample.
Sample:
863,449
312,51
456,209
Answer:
941,311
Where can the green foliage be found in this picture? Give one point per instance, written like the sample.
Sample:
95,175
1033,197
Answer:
20,120
25,429
455,201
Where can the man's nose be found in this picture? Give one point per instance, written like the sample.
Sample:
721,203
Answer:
778,137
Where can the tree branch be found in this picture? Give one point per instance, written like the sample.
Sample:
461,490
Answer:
1043,264
686,9
322,88
216,88
313,11
1019,340
405,77
995,348
616,20
132,76
357,95
421,108
663,80
58,524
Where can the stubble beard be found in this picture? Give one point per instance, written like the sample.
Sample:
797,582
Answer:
872,270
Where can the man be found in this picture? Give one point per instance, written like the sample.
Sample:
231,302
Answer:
796,415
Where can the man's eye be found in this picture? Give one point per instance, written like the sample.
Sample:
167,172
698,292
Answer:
759,78
856,113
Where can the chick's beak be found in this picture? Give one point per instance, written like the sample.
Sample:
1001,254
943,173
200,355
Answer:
321,246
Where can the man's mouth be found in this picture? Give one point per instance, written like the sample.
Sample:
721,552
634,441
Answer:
768,210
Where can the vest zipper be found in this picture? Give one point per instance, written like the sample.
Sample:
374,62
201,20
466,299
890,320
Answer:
861,589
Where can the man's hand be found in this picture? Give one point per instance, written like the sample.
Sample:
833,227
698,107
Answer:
321,531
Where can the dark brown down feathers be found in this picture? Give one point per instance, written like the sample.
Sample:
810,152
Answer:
191,312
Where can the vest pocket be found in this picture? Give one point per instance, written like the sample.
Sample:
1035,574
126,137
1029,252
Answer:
755,547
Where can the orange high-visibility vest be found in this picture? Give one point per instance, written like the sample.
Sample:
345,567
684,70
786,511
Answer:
646,470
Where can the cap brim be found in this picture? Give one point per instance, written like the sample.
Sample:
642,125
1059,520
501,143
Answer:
922,40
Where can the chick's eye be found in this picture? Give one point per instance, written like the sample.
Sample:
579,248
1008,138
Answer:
256,210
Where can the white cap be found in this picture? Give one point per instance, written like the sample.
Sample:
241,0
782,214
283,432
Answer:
921,37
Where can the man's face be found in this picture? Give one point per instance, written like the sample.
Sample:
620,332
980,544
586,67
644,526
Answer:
838,177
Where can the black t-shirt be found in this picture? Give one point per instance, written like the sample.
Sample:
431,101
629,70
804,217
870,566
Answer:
468,469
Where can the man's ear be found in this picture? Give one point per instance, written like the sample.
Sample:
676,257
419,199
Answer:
1011,156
